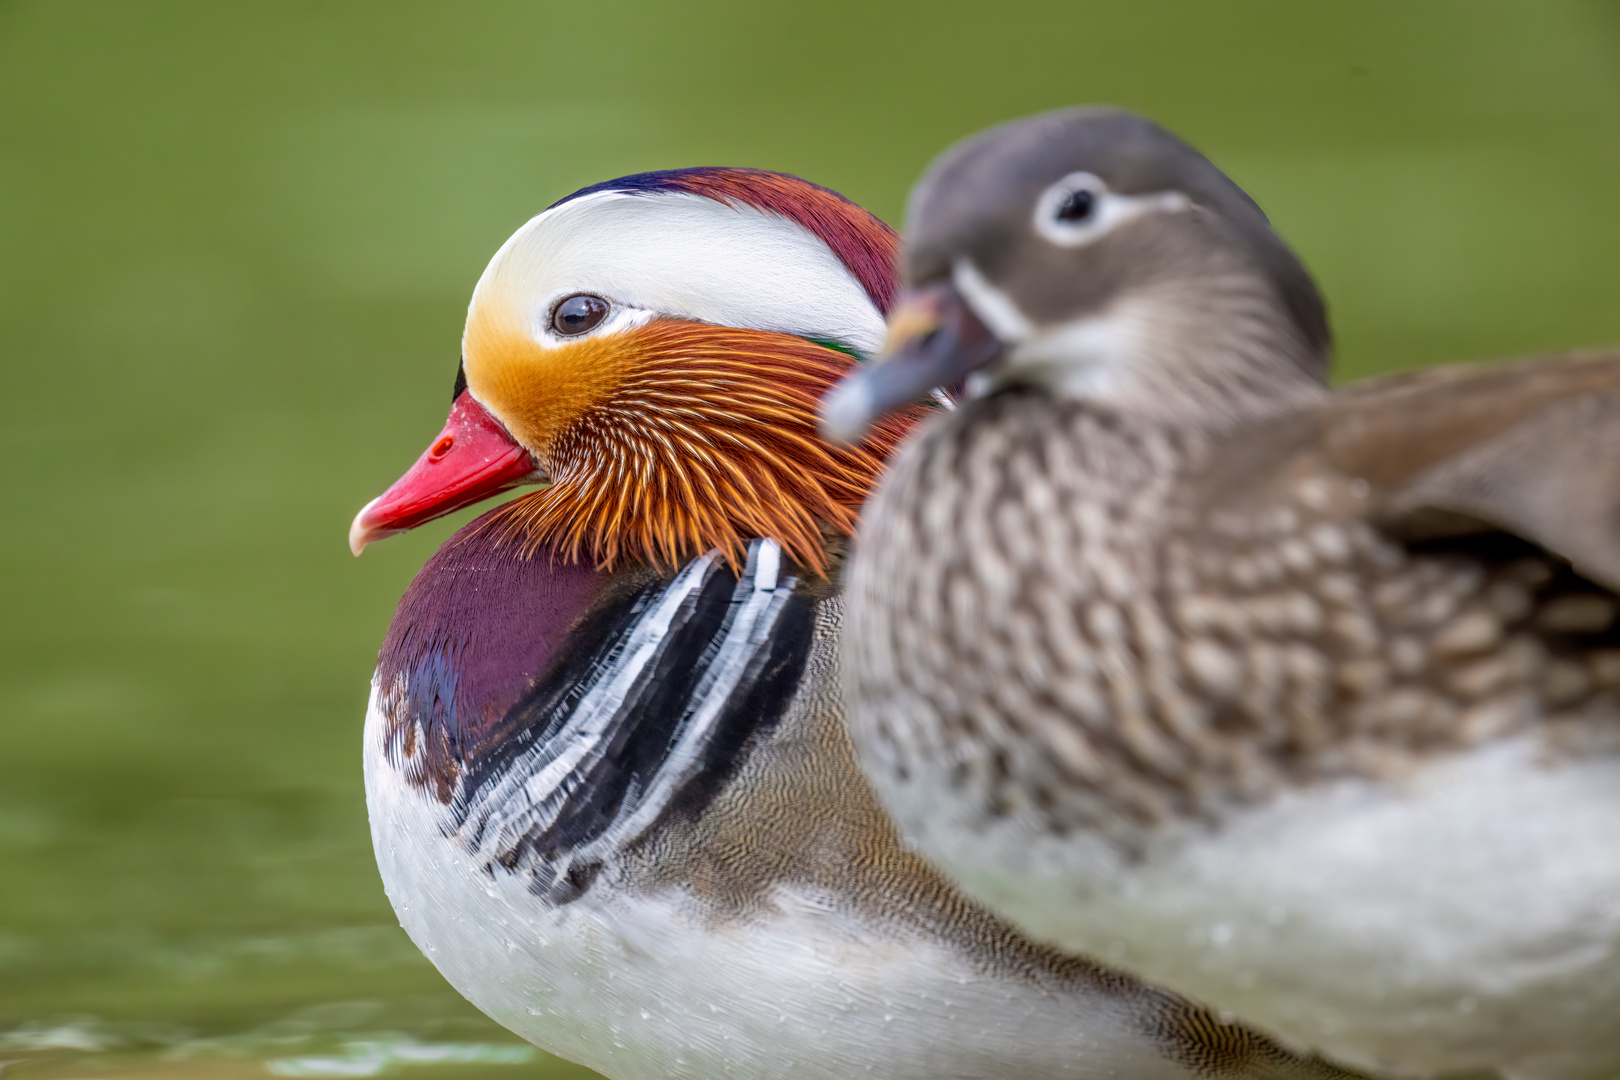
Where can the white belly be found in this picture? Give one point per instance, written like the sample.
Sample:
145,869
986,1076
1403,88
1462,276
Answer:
644,986
1467,919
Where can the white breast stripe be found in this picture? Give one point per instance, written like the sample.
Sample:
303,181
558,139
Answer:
536,786
744,642
541,774
764,563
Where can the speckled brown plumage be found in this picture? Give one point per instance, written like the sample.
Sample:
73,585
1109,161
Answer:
1135,623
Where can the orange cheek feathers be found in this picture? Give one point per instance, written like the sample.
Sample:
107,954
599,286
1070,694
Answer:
677,438
540,392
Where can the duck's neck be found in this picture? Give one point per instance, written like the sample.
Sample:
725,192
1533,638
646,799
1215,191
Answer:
1205,356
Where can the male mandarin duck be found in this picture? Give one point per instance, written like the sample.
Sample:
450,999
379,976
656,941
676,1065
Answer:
609,787
1302,703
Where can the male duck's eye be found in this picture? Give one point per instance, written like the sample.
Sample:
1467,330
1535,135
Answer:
1076,206
579,313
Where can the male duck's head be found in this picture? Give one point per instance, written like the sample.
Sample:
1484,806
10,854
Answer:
1092,254
653,350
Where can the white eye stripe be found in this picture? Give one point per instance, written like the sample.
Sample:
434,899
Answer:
1108,211
681,255
620,317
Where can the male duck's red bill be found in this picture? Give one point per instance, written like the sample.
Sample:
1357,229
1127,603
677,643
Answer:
473,458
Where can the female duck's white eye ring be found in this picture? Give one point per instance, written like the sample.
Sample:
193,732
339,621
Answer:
1079,208
1071,210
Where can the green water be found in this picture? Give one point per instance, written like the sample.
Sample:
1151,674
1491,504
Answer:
236,242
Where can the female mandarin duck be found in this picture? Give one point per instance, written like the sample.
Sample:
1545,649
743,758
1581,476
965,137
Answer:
1306,704
610,792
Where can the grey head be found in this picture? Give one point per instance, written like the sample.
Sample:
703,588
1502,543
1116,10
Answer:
1092,253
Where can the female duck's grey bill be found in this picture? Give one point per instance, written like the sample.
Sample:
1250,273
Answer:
935,340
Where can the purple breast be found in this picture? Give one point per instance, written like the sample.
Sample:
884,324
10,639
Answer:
479,624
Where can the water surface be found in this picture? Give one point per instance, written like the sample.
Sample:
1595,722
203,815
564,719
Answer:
236,243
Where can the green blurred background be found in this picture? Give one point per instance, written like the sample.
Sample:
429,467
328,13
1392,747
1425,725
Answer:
236,243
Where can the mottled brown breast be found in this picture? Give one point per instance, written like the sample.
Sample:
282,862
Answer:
1111,625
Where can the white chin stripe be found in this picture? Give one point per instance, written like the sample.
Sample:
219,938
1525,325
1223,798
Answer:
993,307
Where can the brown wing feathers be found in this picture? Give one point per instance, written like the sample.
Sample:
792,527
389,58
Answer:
1530,448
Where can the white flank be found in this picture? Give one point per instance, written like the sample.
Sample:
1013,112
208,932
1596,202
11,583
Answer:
1466,918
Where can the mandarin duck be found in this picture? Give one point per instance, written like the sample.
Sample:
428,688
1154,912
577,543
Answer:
610,792
1303,703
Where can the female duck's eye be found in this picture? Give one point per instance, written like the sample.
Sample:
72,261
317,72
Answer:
578,313
1077,206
